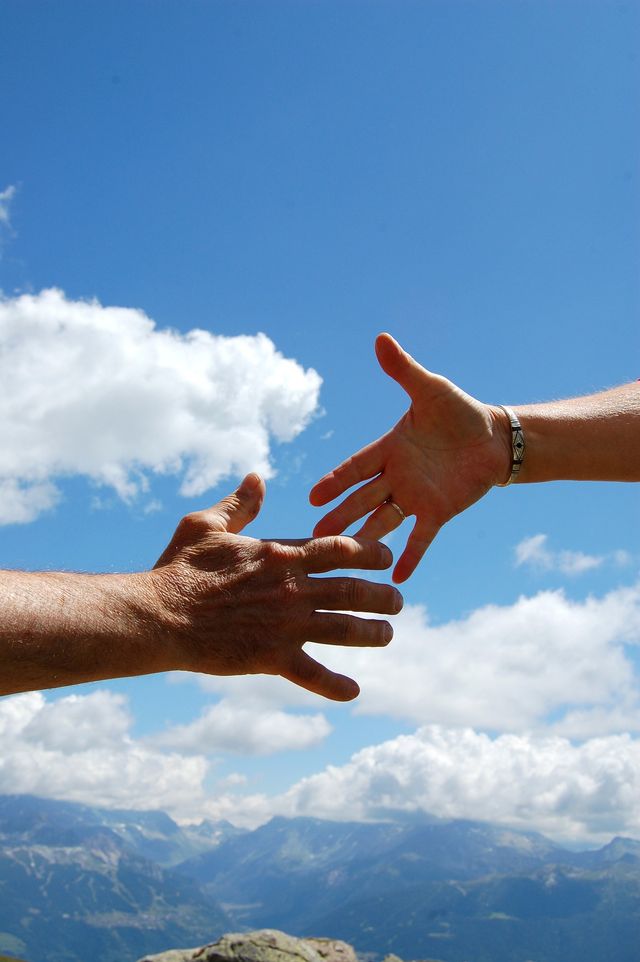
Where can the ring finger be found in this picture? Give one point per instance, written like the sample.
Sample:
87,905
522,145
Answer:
384,520
336,629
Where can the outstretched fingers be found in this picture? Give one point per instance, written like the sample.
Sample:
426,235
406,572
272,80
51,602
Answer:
356,506
419,540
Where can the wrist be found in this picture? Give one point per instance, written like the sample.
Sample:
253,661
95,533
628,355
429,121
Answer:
151,625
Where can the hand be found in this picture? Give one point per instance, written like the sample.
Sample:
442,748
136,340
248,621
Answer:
444,454
236,605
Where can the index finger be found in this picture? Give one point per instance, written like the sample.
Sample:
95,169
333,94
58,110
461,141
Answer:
325,554
365,464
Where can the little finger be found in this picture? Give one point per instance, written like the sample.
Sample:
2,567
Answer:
305,671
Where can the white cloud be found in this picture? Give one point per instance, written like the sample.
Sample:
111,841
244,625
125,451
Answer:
20,504
245,729
584,792
80,748
534,551
6,196
101,392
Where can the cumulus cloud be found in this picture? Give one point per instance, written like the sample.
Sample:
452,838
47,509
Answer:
584,792
502,668
533,551
80,748
101,392
245,729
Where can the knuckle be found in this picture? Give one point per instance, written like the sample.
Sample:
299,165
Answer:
344,629
341,548
354,594
274,553
346,467
193,525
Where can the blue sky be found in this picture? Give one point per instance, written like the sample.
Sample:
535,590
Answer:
464,175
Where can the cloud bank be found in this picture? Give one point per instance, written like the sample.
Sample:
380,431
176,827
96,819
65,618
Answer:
80,748
582,792
102,392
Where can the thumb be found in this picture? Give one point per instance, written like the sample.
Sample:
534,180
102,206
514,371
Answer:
399,365
235,511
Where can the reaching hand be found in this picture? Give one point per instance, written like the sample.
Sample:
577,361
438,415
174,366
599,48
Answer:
236,605
444,454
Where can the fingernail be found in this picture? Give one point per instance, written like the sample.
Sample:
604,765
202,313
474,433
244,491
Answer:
399,602
388,633
250,483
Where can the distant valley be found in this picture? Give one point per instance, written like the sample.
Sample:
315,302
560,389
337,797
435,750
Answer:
80,883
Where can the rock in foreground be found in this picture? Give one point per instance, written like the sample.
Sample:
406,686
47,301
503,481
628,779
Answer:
265,945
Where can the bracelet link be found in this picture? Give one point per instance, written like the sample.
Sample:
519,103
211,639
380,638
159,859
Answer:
517,445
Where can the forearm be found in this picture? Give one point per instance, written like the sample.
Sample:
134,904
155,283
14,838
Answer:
594,438
62,629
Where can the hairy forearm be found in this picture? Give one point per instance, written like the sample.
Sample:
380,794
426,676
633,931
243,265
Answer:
61,629
594,438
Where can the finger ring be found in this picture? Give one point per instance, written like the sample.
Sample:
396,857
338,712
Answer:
397,507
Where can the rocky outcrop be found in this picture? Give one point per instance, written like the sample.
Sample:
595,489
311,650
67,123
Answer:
265,945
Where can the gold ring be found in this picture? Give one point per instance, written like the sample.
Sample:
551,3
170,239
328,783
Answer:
397,507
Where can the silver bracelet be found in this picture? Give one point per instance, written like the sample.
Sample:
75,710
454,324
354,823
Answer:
517,445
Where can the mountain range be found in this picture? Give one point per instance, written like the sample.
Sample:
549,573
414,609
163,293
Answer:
77,883
80,883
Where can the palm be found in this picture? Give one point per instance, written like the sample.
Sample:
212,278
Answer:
439,458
